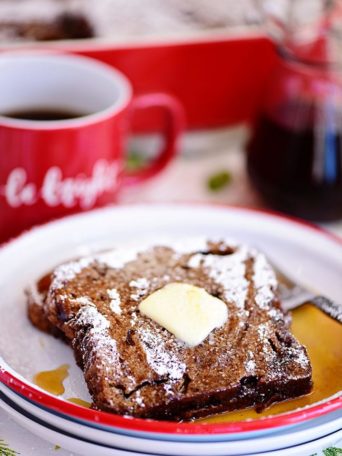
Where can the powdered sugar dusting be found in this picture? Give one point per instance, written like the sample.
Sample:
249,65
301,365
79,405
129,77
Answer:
138,399
250,363
268,353
163,361
295,353
263,331
68,271
134,318
102,350
118,258
84,301
140,286
263,334
298,355
89,315
115,301
265,281
228,271
275,313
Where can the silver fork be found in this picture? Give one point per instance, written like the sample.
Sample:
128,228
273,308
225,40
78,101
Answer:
293,295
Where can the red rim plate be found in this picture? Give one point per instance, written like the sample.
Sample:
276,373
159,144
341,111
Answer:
166,427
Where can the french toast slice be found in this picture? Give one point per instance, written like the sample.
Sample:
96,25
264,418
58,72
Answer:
134,366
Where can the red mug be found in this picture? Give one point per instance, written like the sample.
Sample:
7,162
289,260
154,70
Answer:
51,168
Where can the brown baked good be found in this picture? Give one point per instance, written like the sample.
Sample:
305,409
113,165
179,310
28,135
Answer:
36,295
66,26
134,366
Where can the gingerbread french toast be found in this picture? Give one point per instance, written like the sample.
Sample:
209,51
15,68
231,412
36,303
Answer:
175,331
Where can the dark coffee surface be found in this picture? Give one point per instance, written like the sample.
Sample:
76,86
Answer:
43,114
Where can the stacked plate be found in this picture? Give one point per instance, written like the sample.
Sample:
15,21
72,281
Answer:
314,257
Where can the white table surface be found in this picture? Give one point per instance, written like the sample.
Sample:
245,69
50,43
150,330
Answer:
203,154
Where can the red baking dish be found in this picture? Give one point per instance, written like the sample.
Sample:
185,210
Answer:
219,78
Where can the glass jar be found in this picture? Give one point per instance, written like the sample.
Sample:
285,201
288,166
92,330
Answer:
294,156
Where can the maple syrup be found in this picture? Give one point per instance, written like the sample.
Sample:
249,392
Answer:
325,353
78,401
296,166
322,337
52,380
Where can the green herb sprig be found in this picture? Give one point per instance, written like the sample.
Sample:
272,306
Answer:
332,451
219,181
134,161
5,450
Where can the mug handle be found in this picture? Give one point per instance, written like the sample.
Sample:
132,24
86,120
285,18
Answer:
172,133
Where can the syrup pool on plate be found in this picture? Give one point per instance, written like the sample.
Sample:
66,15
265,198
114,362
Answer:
322,337
324,345
52,380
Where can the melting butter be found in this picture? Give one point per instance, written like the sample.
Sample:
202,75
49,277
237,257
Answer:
187,311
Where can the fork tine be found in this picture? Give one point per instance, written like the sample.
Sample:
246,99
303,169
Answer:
293,295
328,306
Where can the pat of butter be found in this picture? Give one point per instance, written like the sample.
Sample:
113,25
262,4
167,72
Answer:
188,312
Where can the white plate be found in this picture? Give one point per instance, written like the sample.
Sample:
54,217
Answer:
307,254
85,447
304,432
